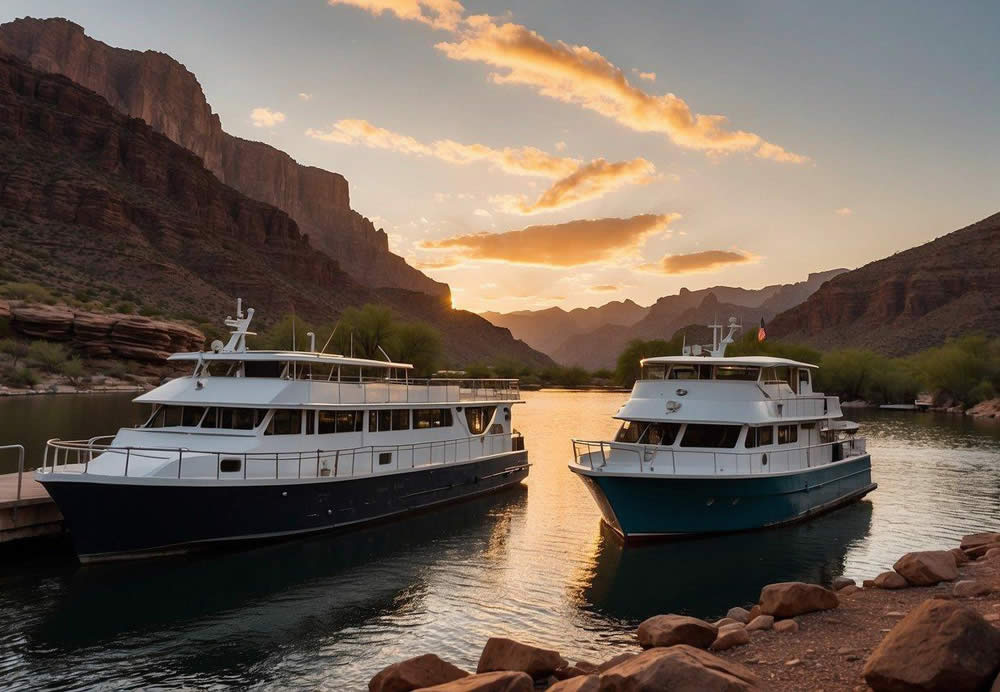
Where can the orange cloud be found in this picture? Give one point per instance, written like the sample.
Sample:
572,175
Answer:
705,261
574,74
265,117
570,244
589,181
603,288
576,182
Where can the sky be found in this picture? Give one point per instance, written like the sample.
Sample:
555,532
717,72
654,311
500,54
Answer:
573,152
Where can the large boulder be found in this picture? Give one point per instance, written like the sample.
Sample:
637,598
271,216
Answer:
414,673
733,635
506,654
977,539
940,645
840,582
668,630
791,598
890,580
581,683
970,587
679,668
501,681
976,552
761,622
927,567
739,614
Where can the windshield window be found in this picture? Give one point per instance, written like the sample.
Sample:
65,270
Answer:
660,434
714,436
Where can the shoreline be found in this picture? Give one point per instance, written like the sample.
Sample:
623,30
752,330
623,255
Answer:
67,389
932,622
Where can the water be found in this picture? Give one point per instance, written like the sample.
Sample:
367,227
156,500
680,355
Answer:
533,563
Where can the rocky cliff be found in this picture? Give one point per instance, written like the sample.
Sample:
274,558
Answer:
161,91
95,202
910,301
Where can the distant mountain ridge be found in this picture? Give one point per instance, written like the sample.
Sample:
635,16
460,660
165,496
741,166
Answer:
93,201
160,90
593,337
910,301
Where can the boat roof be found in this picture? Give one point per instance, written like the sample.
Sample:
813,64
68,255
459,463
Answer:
750,361
289,357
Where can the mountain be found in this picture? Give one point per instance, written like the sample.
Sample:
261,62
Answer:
97,205
547,329
155,87
910,301
593,337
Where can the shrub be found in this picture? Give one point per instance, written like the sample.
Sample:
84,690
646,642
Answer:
23,377
73,371
47,355
17,350
23,290
125,307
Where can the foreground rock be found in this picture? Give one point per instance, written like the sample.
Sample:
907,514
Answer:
414,673
927,567
502,681
761,622
940,645
840,582
970,587
739,614
679,668
791,598
890,580
669,630
506,654
733,635
977,539
581,683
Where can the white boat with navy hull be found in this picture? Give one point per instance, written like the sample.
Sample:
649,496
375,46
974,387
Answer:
260,444
716,444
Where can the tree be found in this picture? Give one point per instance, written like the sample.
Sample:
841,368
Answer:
363,330
73,371
628,369
418,344
17,350
47,355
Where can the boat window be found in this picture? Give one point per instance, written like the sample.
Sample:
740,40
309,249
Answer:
263,368
432,418
388,419
715,436
788,434
230,464
660,434
172,416
496,429
803,378
630,431
655,371
683,372
192,416
759,437
310,422
478,418
285,421
779,375
340,421
736,372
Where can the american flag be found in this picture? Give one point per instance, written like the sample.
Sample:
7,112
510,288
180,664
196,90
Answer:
761,332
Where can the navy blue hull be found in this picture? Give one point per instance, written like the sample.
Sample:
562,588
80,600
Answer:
107,520
663,506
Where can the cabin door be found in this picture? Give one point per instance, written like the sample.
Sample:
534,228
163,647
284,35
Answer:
805,382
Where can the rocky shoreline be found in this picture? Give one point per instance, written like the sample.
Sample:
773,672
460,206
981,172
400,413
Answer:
931,623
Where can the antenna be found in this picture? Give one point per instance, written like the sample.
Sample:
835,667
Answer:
352,343
330,338
384,353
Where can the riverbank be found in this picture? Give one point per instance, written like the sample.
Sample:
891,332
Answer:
53,388
930,623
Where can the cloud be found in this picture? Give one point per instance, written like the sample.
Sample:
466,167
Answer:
305,96
844,211
560,146
440,14
265,117
603,288
649,76
695,262
568,244
776,153
442,263
575,181
589,181
482,212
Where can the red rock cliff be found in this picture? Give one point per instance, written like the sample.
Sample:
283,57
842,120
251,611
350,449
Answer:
155,87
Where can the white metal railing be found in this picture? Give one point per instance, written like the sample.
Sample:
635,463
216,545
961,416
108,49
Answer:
20,469
806,406
590,452
381,390
75,456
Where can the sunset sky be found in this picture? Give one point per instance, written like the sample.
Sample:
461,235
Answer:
574,152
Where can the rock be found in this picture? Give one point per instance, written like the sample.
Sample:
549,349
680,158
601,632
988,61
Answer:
787,599
730,636
992,554
581,683
978,539
849,590
793,662
414,673
755,611
725,621
841,582
890,580
668,630
978,551
786,626
585,666
970,587
739,614
679,668
617,660
732,626
761,622
500,681
927,567
940,645
506,654
960,557
869,583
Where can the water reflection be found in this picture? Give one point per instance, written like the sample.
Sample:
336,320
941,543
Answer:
216,617
628,583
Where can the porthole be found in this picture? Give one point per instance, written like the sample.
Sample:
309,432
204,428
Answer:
763,459
384,458
230,464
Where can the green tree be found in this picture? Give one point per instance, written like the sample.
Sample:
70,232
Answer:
362,330
628,368
418,344
47,355
73,371
17,350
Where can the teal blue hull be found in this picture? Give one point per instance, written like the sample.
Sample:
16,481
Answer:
647,505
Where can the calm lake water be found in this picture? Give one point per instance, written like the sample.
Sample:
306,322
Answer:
533,563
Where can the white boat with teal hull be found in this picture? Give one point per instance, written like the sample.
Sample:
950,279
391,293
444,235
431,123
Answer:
716,444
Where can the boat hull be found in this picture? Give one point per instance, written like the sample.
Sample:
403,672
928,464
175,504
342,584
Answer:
124,518
646,505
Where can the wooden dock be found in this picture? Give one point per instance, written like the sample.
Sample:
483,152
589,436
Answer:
33,514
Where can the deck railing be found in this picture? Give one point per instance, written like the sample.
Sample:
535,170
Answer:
381,390
597,454
75,456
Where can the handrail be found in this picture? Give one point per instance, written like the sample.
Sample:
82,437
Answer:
87,450
20,468
605,448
